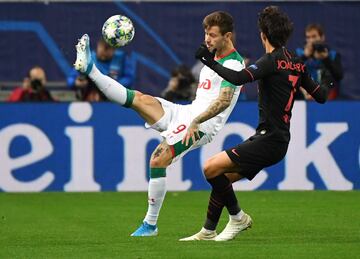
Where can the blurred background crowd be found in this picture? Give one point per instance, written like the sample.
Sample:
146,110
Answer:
37,51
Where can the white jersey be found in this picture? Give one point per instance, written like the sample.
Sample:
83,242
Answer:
177,118
210,84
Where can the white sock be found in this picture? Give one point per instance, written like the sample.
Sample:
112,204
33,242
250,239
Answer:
237,216
156,193
112,89
207,231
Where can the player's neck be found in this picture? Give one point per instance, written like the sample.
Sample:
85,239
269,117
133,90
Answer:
225,51
268,47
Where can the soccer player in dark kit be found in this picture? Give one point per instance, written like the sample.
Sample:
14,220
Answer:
280,75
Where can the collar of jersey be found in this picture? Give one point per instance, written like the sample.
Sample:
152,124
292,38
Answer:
225,55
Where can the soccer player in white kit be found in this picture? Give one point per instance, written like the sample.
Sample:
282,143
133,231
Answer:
183,127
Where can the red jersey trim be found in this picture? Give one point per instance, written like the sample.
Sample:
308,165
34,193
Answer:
315,89
172,149
225,55
252,77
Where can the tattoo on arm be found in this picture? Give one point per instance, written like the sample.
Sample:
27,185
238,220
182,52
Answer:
219,105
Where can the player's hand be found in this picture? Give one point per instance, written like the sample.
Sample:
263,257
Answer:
308,50
192,133
205,56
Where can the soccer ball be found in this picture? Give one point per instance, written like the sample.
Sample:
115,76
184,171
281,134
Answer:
118,31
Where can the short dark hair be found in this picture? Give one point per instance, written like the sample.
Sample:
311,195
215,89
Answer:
317,27
276,25
104,43
219,18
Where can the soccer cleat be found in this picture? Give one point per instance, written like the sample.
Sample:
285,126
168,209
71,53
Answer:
83,62
146,230
234,227
204,234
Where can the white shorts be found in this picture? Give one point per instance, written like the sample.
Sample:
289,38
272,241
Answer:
173,127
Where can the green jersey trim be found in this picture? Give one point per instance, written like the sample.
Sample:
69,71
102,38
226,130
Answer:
225,84
179,147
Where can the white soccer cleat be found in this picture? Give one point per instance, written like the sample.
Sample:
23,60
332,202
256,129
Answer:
234,227
83,62
204,234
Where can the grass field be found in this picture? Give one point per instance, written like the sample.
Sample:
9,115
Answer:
97,225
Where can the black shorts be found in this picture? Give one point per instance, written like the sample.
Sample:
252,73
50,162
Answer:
256,153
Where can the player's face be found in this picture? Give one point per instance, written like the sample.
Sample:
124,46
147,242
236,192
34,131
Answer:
313,36
214,39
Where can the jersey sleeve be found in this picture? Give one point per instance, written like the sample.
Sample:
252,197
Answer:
235,65
262,68
318,91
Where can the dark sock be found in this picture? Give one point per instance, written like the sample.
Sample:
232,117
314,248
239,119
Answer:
214,211
224,190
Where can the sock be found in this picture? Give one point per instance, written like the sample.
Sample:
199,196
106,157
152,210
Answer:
223,188
156,194
112,89
215,208
237,216
207,231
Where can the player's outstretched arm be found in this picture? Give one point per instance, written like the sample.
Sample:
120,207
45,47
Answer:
262,68
235,77
216,107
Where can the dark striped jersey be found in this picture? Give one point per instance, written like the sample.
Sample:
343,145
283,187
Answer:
280,75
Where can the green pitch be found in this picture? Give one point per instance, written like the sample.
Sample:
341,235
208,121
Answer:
98,225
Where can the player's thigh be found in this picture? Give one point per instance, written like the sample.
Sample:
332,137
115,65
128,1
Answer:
162,156
219,164
148,107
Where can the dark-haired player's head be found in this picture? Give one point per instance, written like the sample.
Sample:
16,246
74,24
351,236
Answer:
219,30
275,26
314,32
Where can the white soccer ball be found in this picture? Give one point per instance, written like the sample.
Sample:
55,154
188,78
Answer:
118,31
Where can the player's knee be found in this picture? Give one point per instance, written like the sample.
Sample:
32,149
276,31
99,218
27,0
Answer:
144,98
155,162
159,162
210,168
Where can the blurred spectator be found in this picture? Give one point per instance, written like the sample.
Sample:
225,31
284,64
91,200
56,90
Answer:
196,69
181,86
110,61
322,62
33,88
86,90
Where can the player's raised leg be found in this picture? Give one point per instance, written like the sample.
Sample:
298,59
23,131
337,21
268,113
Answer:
160,159
148,107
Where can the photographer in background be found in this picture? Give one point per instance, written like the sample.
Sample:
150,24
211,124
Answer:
115,63
321,61
181,86
86,90
33,88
